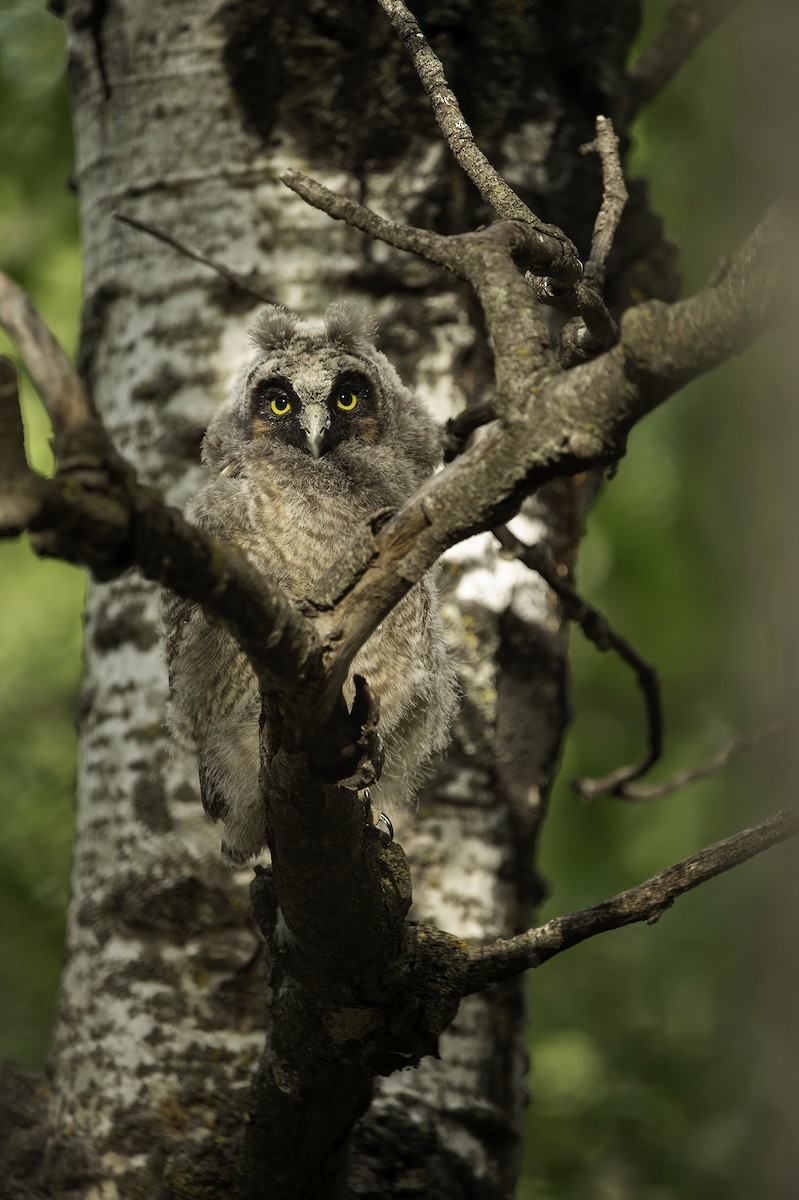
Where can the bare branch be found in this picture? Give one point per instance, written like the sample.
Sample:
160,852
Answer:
66,399
614,198
459,137
550,425
431,246
597,629
647,902
735,746
580,341
686,23
460,428
94,512
20,492
575,298
237,281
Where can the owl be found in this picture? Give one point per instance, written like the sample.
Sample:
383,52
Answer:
318,434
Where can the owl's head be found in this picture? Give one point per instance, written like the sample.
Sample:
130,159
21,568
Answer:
322,392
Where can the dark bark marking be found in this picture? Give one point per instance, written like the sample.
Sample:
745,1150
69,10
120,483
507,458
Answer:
149,802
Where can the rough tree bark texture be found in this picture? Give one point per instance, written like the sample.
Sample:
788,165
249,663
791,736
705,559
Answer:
185,115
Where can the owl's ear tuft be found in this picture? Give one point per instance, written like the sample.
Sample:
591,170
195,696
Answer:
351,326
273,328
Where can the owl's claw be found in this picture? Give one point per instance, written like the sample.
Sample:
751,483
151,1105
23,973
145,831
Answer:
376,819
382,819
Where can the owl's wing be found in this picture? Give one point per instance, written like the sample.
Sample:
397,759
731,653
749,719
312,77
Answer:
214,800
208,674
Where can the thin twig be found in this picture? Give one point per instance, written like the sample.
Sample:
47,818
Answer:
597,629
614,198
735,746
648,901
237,281
686,23
19,486
460,428
432,246
66,399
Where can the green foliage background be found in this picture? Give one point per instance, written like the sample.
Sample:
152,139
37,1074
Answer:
654,1067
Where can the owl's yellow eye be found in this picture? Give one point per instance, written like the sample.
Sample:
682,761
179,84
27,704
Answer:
280,405
346,401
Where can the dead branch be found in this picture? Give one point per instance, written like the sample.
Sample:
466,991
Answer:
614,198
575,298
20,494
460,428
457,134
597,629
646,902
580,340
550,423
67,402
240,282
643,792
686,23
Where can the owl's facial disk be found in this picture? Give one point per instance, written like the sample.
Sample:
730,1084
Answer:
315,426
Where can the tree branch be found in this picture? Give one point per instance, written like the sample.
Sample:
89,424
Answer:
686,23
597,630
66,399
737,745
95,512
20,490
614,199
237,281
550,424
460,428
646,902
457,134
575,298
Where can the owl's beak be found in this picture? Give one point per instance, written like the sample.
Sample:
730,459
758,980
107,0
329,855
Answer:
315,421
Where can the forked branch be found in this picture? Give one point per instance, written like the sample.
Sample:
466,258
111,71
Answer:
575,297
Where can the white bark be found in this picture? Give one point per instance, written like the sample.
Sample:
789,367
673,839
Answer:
163,1003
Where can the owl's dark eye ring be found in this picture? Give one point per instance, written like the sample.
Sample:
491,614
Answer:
280,405
347,400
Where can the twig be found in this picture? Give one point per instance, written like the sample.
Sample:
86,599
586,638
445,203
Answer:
734,747
647,902
460,428
20,497
598,330
614,198
66,399
575,298
232,277
431,246
459,137
686,23
597,630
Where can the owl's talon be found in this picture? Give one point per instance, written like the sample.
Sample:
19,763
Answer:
382,819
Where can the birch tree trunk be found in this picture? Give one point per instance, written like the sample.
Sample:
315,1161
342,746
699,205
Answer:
185,115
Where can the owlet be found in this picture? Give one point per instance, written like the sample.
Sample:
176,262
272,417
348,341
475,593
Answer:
318,434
